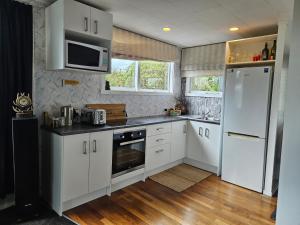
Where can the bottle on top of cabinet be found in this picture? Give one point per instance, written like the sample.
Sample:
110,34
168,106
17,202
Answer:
273,51
265,52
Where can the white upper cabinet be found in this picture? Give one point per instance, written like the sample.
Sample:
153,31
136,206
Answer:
100,160
101,24
77,17
84,19
75,21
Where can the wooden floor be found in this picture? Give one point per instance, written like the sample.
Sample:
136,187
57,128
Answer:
211,201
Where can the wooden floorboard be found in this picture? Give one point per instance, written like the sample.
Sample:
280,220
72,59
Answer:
210,202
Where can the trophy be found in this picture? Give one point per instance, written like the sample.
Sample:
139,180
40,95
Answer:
23,106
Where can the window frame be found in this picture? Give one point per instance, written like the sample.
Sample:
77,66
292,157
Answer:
137,89
189,92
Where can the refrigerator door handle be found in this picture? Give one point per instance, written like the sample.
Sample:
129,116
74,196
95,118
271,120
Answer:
242,136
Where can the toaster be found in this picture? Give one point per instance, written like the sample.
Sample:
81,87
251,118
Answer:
93,116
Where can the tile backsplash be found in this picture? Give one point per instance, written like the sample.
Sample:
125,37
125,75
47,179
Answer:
196,105
49,95
202,105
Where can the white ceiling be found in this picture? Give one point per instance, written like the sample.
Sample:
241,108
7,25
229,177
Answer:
195,22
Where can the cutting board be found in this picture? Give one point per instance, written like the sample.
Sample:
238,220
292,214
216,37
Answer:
113,111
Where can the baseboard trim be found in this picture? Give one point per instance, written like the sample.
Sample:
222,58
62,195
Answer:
163,168
68,218
83,199
125,183
201,165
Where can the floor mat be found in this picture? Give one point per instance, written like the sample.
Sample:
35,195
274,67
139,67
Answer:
181,177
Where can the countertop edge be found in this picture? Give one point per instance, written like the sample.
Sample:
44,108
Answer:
99,129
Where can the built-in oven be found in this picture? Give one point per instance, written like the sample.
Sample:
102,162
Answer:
128,152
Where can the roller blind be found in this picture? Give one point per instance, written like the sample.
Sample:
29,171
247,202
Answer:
208,60
129,45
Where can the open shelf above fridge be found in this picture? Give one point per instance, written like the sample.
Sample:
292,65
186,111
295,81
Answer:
241,52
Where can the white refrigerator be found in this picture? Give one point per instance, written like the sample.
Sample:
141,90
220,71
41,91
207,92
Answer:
246,116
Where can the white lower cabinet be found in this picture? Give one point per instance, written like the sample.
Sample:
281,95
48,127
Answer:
100,160
86,163
159,140
157,129
203,143
178,140
166,143
75,169
157,156
81,164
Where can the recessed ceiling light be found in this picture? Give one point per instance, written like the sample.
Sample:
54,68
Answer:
166,29
234,28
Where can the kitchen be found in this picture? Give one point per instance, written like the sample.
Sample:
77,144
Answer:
134,100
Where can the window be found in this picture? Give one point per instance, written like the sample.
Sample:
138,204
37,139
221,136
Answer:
122,74
143,76
208,86
154,75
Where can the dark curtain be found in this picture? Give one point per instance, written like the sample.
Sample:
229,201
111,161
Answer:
15,76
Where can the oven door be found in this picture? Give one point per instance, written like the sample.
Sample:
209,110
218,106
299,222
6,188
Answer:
83,56
128,156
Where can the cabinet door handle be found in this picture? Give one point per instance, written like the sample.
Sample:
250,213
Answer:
160,139
84,147
184,129
201,131
96,26
207,133
160,128
160,150
86,25
95,146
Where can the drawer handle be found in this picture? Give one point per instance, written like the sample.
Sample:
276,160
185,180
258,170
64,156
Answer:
184,129
160,139
160,150
160,128
96,26
84,148
95,146
86,26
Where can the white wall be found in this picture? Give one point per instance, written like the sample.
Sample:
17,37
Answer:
289,185
277,109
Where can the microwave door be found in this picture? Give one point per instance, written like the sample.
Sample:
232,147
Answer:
82,56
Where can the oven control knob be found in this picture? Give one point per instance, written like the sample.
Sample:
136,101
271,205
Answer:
123,137
132,135
140,133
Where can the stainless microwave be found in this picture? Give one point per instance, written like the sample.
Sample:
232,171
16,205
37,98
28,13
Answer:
85,56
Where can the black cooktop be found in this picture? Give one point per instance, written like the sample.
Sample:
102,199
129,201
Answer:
125,122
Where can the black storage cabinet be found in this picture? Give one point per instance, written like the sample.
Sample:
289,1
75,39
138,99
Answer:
26,166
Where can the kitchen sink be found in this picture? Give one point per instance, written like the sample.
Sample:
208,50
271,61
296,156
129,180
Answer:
197,117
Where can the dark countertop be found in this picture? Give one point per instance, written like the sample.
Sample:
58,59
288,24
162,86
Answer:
131,122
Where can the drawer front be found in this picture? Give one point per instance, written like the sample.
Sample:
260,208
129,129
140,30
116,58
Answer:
158,129
160,139
157,156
